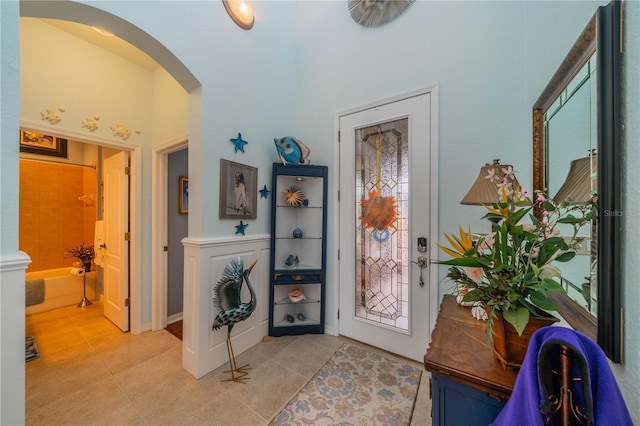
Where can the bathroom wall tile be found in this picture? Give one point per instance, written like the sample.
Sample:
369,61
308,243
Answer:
52,218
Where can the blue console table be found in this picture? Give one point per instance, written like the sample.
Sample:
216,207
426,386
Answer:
468,386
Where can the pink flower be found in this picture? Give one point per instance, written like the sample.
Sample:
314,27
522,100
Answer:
508,172
476,274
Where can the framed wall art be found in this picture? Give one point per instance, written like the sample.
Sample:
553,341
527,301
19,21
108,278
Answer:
238,190
39,143
183,196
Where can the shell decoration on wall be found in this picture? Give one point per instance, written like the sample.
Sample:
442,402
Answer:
51,116
295,197
121,131
373,13
89,124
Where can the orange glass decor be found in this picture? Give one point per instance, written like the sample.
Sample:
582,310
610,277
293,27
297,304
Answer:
378,212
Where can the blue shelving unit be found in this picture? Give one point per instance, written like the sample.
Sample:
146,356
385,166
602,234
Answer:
298,259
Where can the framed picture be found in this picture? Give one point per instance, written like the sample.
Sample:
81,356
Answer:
183,195
238,190
38,143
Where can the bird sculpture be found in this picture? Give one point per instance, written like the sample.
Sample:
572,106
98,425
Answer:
232,310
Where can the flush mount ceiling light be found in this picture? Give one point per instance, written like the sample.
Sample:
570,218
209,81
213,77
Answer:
240,12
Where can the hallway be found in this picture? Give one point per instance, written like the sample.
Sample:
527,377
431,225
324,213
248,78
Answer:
89,372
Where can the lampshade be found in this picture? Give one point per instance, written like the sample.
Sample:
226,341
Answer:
486,191
580,183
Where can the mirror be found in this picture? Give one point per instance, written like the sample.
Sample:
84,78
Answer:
575,129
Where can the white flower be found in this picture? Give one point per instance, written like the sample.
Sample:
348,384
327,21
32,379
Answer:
549,271
491,175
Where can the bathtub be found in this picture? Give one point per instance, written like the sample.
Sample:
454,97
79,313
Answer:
60,289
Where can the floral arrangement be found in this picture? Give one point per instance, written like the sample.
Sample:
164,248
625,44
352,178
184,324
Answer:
84,252
512,269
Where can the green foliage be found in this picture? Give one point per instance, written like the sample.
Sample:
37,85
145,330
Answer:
510,270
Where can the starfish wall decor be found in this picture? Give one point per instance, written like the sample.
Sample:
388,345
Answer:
240,143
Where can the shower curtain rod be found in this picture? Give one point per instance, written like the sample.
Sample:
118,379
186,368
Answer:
59,162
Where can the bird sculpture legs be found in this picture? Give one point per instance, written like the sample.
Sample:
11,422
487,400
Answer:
238,374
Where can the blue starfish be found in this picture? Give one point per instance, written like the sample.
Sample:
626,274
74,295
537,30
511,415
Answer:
264,192
240,228
239,142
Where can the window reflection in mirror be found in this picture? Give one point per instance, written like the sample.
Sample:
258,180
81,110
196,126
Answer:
570,126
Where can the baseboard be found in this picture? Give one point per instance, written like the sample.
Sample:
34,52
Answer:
174,318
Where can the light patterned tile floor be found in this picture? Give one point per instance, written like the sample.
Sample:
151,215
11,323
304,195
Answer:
90,373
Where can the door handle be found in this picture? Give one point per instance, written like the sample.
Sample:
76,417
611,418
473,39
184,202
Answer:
422,263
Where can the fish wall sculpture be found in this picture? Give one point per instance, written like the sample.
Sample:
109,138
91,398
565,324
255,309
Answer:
292,150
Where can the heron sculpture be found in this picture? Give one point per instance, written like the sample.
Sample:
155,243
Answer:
232,310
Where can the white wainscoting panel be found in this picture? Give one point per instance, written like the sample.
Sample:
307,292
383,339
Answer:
204,349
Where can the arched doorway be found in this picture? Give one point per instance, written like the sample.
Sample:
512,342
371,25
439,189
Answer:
13,263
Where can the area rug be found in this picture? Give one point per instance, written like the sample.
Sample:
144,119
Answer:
31,349
355,387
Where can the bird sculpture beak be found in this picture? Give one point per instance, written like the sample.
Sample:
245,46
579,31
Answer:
252,265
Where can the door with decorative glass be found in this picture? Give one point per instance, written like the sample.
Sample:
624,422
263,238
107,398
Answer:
388,219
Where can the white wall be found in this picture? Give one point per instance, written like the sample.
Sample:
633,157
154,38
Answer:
478,53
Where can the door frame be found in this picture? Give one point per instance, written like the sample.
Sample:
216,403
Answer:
432,271
159,225
135,208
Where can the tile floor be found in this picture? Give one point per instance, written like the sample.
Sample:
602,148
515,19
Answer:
90,373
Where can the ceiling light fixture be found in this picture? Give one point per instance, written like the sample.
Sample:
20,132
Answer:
240,12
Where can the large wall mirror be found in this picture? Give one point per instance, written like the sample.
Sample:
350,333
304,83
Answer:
576,158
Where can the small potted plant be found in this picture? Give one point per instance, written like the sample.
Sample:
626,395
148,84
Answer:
510,271
84,252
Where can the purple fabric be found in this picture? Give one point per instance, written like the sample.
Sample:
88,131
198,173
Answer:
524,406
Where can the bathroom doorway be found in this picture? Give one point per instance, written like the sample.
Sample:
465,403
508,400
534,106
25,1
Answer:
62,204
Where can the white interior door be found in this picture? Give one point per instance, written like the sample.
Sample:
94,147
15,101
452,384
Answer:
388,200
116,260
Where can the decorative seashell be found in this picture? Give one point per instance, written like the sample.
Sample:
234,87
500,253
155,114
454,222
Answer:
121,131
289,318
301,316
297,295
50,116
297,233
89,124
293,196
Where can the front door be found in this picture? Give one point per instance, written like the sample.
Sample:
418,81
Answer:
388,208
116,223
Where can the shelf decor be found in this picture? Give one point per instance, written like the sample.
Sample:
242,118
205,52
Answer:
298,260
